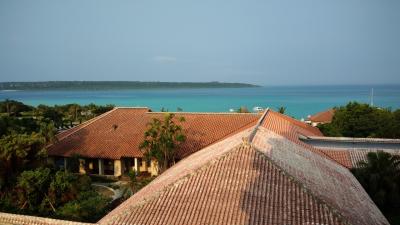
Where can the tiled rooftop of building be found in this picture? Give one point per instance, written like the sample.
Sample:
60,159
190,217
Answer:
322,117
119,132
349,151
14,219
271,180
353,139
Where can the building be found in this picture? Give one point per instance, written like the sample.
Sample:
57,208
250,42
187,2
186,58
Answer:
109,144
321,117
350,151
260,170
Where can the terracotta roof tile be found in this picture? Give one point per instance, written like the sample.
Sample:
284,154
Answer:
271,180
119,133
358,155
242,187
292,129
12,219
341,157
324,178
323,117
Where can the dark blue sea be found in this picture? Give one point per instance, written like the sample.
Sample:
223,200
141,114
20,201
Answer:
299,101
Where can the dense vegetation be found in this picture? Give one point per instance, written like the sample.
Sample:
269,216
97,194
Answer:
380,177
113,85
28,183
161,140
362,120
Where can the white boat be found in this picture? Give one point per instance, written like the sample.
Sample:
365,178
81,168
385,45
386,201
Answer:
258,109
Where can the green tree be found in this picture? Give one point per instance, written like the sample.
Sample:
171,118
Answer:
33,186
48,132
19,152
102,109
89,206
13,108
53,115
62,188
362,120
380,177
243,109
282,109
161,140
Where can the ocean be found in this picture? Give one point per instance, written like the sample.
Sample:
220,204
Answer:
300,101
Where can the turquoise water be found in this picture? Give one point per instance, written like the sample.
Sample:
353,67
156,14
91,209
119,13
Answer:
299,101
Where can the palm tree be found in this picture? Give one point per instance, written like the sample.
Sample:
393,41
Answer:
281,109
380,177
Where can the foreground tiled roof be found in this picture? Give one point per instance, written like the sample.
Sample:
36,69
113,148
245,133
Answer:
324,178
13,219
351,157
118,133
229,183
323,117
356,150
358,155
254,177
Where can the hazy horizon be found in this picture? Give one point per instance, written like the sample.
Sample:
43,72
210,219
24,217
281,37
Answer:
259,84
269,43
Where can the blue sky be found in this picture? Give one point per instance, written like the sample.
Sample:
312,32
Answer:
267,42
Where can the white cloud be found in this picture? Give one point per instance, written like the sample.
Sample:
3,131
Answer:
165,59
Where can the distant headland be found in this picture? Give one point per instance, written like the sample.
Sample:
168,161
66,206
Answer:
115,85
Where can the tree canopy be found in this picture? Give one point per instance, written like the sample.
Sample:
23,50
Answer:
361,120
161,140
28,184
380,177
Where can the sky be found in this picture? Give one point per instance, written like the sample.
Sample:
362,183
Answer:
267,42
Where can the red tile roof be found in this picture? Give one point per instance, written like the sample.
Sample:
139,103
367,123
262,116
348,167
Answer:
270,180
292,129
324,178
353,156
239,187
341,157
11,219
323,117
118,133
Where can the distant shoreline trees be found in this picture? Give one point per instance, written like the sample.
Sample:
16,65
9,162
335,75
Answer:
115,85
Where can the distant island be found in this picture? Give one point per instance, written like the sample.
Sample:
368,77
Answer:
114,85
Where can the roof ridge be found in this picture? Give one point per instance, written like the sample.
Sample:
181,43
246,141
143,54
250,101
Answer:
293,120
307,146
259,123
302,185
